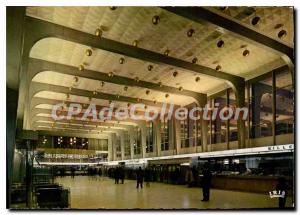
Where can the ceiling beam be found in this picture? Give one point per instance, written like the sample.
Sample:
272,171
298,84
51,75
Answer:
36,111
79,128
69,133
36,66
36,87
40,29
76,121
200,14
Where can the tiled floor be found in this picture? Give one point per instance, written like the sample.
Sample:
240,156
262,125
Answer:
92,193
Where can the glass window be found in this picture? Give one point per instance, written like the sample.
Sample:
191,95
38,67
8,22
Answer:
137,142
233,131
127,144
219,131
284,103
164,130
149,139
184,133
261,105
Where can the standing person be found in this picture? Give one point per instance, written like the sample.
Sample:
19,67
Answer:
206,180
139,178
147,177
122,174
72,172
282,187
117,175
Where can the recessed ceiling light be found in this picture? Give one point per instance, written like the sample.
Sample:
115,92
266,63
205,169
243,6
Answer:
155,20
150,67
281,34
246,53
135,43
88,52
98,32
255,20
220,44
70,88
137,79
81,68
95,92
110,74
195,60
218,68
122,60
167,52
190,32
118,96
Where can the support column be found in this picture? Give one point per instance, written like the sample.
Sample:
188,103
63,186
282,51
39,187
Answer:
131,141
110,148
177,136
158,137
202,101
122,140
240,102
143,139
11,117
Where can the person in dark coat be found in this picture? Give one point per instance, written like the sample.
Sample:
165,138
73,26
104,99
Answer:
122,174
282,187
117,175
72,172
139,178
206,181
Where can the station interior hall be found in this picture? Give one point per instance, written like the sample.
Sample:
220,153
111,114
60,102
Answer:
72,73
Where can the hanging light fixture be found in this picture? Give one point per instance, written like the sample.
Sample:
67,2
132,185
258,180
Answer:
218,68
246,53
195,60
155,20
175,74
220,44
102,83
180,88
160,84
197,79
113,7
110,74
167,95
167,52
190,32
281,34
95,92
125,88
255,20
147,92
135,43
98,32
155,102
81,67
88,52
137,79
150,67
121,60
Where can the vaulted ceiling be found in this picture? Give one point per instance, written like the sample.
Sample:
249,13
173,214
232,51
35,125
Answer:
160,31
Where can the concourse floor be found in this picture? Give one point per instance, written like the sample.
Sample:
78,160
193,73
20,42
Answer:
101,192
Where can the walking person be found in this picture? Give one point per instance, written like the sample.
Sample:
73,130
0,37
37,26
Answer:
206,181
139,178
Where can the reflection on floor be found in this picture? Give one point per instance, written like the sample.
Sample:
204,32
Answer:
101,192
